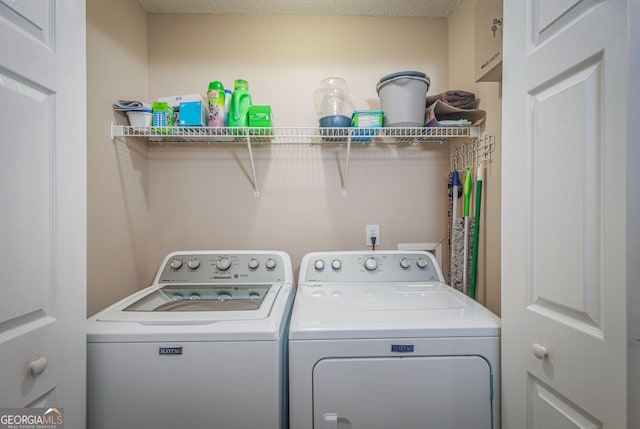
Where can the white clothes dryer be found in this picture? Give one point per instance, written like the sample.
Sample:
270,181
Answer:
203,346
378,341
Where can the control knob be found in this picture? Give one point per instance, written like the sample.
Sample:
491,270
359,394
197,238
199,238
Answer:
336,264
270,264
223,263
318,265
405,263
176,263
194,263
422,263
224,296
371,263
253,264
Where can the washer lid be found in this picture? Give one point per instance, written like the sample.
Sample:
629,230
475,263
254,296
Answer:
194,303
377,310
179,297
265,323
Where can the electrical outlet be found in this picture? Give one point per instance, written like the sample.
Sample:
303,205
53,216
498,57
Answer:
373,231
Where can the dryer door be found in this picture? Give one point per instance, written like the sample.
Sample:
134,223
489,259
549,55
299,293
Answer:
443,392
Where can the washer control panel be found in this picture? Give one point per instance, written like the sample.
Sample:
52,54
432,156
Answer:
225,267
379,266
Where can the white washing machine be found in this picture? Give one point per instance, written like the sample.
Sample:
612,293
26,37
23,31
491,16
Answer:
378,341
203,347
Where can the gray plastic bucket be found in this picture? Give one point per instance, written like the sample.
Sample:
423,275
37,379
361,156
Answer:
403,98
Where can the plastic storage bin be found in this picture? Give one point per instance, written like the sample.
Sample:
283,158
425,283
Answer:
140,118
403,98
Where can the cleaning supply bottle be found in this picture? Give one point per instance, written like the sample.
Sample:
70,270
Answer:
216,96
240,103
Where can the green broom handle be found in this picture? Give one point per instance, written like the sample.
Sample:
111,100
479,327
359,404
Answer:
476,232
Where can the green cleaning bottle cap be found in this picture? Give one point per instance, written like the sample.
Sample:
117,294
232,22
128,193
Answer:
216,85
241,83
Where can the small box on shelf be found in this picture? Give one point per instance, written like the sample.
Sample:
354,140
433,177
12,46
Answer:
365,123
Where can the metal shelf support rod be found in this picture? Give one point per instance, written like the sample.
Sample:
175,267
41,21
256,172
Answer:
346,167
256,191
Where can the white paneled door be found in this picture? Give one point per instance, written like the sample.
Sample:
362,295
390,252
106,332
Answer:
43,205
564,186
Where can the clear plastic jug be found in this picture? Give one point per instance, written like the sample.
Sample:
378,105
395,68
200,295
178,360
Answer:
332,97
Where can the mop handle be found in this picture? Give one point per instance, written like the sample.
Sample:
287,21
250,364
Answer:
467,199
476,232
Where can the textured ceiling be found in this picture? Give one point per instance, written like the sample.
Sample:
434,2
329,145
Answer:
423,8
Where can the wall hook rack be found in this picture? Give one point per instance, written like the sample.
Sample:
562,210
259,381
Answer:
471,154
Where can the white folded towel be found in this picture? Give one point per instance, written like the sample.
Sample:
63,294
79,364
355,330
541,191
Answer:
129,105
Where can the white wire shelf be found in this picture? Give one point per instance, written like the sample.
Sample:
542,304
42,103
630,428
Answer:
301,135
310,135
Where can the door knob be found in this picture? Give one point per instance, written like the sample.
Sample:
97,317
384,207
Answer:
540,350
330,421
37,366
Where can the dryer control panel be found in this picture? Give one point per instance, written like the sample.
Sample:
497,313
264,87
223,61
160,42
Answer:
379,266
225,267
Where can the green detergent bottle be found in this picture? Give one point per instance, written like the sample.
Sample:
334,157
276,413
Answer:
240,103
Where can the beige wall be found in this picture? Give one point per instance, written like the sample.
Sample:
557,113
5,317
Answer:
461,75
145,202
202,198
285,57
117,232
